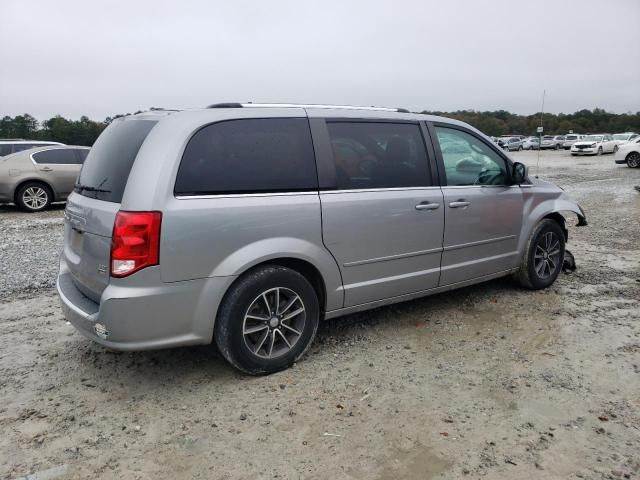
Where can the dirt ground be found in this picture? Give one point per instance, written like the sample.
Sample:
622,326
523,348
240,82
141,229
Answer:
489,381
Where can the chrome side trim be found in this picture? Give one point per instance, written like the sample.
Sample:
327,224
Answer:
394,189
243,195
411,296
457,187
314,192
392,257
479,242
376,281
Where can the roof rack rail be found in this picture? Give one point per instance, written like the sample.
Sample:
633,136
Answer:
225,105
304,105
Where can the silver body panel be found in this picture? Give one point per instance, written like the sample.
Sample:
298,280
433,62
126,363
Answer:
370,247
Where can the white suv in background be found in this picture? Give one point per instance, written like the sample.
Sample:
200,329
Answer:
570,139
622,138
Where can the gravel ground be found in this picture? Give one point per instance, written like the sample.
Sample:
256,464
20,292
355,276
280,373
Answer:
489,381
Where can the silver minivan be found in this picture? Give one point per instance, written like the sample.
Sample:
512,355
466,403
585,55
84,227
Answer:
245,224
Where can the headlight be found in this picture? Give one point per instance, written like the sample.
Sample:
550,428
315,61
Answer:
592,145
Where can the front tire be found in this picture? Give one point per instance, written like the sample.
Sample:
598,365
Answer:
599,151
267,320
542,261
615,149
33,197
633,160
520,148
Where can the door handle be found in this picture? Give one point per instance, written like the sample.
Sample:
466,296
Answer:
459,204
46,169
427,206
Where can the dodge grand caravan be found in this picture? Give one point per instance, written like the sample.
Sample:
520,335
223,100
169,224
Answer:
245,224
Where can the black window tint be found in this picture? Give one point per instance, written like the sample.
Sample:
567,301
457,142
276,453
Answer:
19,147
468,160
5,149
57,156
250,156
109,161
81,155
378,155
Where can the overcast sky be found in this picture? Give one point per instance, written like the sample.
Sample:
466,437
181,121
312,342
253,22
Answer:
100,58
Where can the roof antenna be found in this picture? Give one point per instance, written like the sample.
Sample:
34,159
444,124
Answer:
540,129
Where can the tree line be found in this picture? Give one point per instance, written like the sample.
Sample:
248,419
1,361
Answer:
85,131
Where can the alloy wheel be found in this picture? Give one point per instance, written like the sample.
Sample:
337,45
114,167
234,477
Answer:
633,160
35,198
546,259
274,322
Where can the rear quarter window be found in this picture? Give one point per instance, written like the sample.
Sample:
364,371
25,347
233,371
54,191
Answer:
58,156
248,156
107,166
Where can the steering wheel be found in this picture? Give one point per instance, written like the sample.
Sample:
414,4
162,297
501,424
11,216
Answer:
488,177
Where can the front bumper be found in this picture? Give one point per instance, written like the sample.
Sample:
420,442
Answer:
584,151
142,318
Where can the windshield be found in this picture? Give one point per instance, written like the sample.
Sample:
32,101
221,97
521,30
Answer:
106,169
592,138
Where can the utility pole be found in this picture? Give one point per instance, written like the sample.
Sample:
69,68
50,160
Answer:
540,130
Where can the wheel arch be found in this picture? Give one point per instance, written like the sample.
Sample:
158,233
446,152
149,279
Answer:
303,267
312,261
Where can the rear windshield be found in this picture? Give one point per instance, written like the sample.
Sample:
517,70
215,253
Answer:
106,169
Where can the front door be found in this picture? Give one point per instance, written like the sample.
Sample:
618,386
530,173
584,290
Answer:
483,213
383,221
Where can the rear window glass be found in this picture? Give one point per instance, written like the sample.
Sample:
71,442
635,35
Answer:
81,155
107,166
248,156
59,156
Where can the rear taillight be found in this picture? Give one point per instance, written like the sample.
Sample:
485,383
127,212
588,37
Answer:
135,243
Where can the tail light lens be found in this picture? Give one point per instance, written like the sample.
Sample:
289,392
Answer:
135,243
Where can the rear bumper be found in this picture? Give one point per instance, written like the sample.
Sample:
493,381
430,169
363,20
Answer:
142,318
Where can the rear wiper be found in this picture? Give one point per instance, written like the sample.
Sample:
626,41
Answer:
87,188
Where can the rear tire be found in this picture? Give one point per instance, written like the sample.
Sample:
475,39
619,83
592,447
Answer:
257,340
33,197
633,160
543,257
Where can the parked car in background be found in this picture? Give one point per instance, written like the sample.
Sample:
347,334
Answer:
629,153
570,139
512,143
594,145
531,143
622,138
9,146
138,270
552,142
34,178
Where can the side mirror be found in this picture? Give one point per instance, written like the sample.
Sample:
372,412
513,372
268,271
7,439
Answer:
519,173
